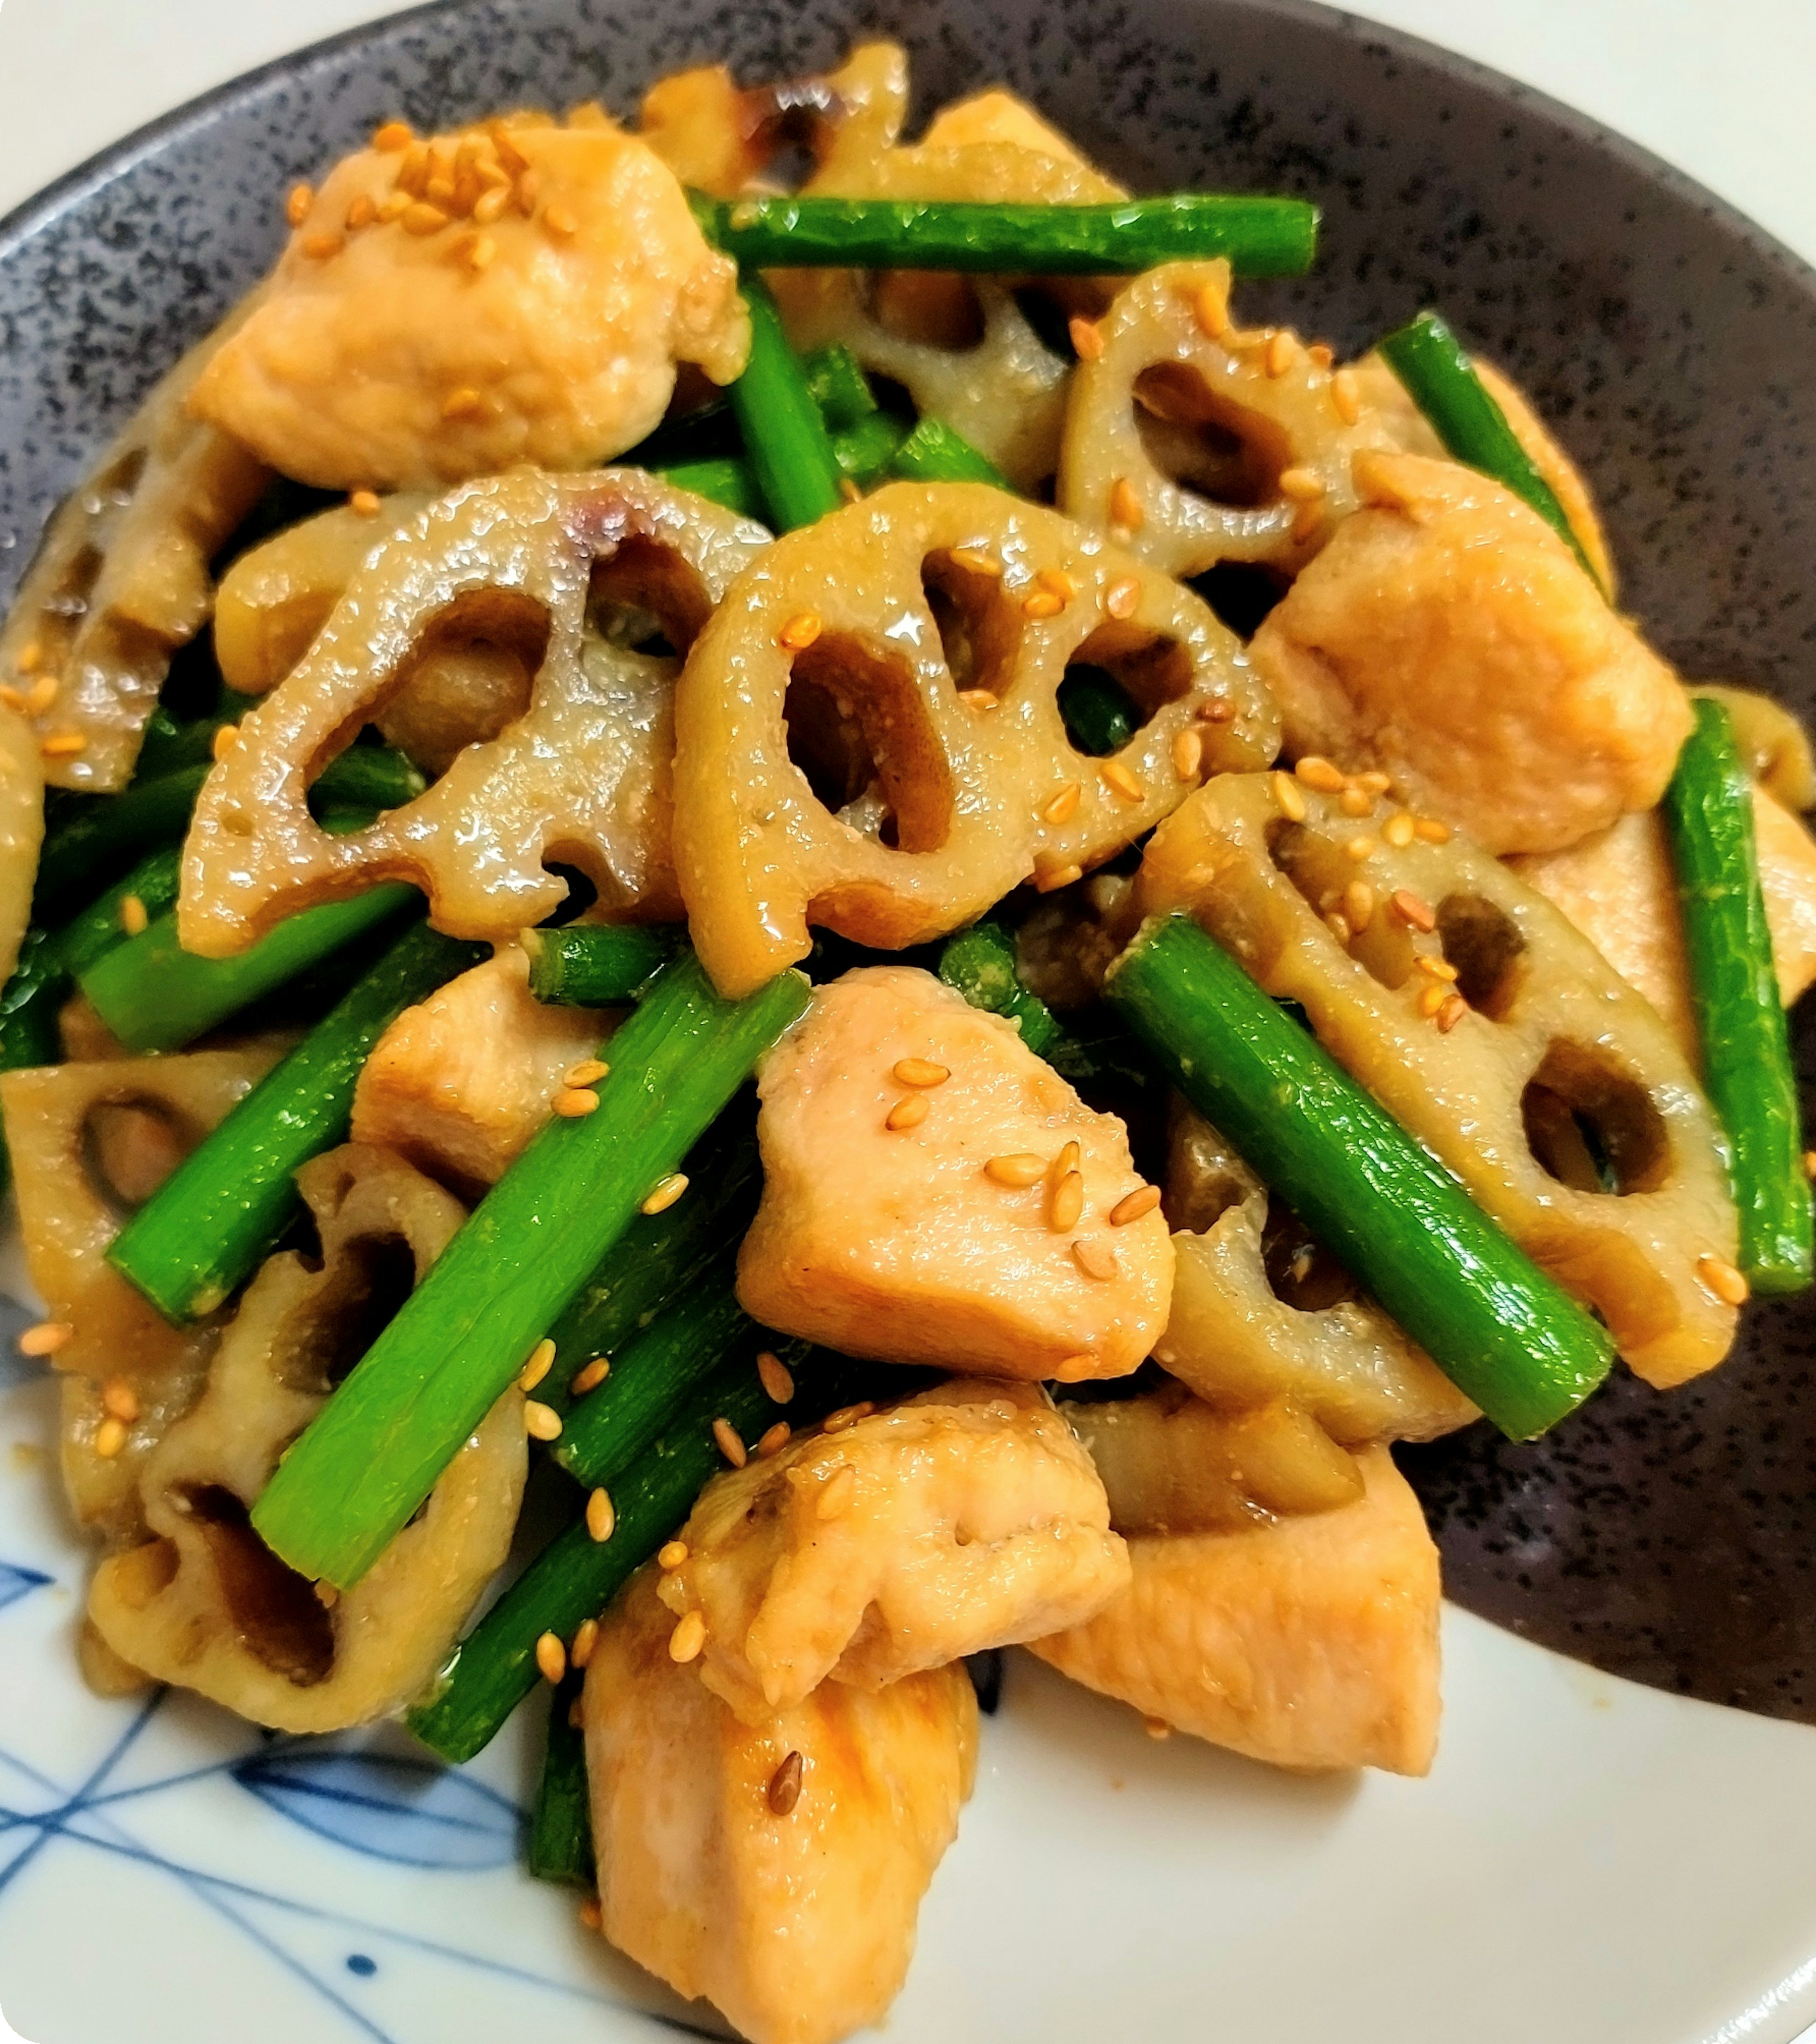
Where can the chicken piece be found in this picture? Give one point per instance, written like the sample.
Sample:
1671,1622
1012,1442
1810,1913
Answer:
1558,471
967,1517
998,116
1620,891
776,1871
978,1236
1309,1642
511,294
459,1083
1448,636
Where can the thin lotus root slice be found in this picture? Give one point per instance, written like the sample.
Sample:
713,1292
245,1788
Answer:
1239,1343
89,1143
22,831
121,579
581,777
1493,1029
1192,441
868,735
204,1603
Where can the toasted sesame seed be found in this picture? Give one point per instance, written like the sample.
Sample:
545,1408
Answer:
1087,337
1118,778
1020,1168
1359,848
31,658
541,1361
587,1072
1286,792
731,1442
109,1439
44,691
1729,1284
392,207
585,1639
1126,505
979,699
477,251
688,1638
799,632
784,1791
1131,1206
1050,873
1398,830
978,562
774,1440
1303,485
1355,802
1414,912
326,1595
557,220
412,173
1282,352
465,403
133,918
670,1555
919,1072
573,1103
1451,1013
62,745
12,698
1061,808
322,248
665,1194
1374,782
46,1337
225,740
1810,1163
1066,1203
1210,307
1429,831
909,1112
1339,926
847,1415
551,1656
297,204
1188,754
1359,903
1219,709
837,1495
1346,396
119,1400
422,218
1071,1155
1041,603
601,1518
1121,597
1096,1259
592,1917
775,1377
1156,1727
361,212
490,205
394,137
1319,354
541,1423
1059,583
365,503
849,491
1432,998
590,1376
1319,772
1439,968
439,191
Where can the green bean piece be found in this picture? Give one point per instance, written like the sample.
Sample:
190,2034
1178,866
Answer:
155,995
596,965
865,452
559,1847
836,381
201,1235
576,1576
1509,1336
1100,715
934,453
785,440
374,1450
1434,366
1259,236
367,777
979,963
1734,988
726,481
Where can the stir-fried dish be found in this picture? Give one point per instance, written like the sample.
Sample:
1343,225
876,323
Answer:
938,933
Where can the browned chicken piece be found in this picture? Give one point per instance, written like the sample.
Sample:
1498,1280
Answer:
965,1517
459,1083
933,1192
776,1870
1306,1642
517,292
1447,636
1618,887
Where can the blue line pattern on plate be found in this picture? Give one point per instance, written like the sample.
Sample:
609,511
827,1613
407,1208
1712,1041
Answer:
17,1580
408,1811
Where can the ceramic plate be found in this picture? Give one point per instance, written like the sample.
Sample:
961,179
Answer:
1592,1862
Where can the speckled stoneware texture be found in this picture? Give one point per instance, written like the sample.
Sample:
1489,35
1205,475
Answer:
1673,347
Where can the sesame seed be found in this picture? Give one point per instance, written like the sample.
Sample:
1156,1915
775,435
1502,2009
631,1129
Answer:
509,155
919,1072
394,137
12,698
1346,396
413,171
799,632
43,693
1096,1259
1219,710
1121,597
1429,831
296,205
978,562
849,490
1359,848
63,745
422,218
119,1400
1417,913
557,220
1059,583
1319,772
1432,998
392,207
1282,352
1309,518
592,1917
909,1112
837,1495
1319,354
133,918
731,1442
541,1361
1062,805
590,1376
1729,1284
1810,1163
109,1439
541,1423
775,1377
784,1791
551,1656
572,1103
1210,307
585,1639
1131,1206
1156,1727
1287,794
465,403
847,1415
1066,1203
1398,830
1070,1157
225,740
1050,873
440,191
1374,782
490,205
774,1440
1303,485
323,246
1451,1013
31,658
601,1519
1118,777
1087,337
688,1638
671,1554
586,1072
1021,1168
361,211
1338,926
477,251
1439,968
1041,603
1126,505
1188,754
46,1337
1359,903
1355,801
365,504
978,698
665,1194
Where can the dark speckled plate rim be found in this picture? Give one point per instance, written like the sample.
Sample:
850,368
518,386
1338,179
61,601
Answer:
44,206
